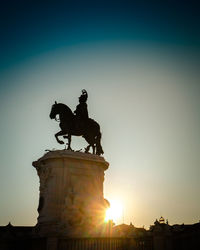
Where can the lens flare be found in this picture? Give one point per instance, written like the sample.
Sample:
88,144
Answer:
114,212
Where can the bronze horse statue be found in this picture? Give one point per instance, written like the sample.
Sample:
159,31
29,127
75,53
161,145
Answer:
69,125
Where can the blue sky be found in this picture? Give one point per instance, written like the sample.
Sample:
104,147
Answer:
139,62
29,28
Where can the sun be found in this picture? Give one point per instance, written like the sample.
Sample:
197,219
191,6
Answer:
114,212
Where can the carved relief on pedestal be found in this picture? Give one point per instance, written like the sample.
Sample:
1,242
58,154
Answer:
44,174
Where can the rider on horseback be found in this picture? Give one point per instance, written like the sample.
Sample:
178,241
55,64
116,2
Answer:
81,110
79,124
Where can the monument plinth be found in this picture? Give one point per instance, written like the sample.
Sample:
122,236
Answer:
71,200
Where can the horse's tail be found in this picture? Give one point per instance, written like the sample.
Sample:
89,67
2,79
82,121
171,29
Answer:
99,149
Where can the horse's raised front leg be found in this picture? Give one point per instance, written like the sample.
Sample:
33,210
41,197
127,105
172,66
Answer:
59,134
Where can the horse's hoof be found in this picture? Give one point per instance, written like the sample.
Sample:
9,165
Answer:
87,151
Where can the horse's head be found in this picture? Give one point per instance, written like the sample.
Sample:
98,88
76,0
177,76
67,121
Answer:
54,110
61,109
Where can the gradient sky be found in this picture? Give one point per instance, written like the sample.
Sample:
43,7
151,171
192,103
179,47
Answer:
139,61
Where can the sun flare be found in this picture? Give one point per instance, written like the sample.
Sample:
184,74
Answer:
114,212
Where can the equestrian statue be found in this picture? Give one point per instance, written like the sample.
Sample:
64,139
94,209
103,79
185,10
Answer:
78,124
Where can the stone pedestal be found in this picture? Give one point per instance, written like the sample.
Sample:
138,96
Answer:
71,194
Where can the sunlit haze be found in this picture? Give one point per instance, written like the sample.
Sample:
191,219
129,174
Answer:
114,212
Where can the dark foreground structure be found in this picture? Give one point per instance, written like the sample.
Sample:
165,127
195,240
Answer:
160,236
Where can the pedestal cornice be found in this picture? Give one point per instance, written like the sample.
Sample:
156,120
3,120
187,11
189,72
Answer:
67,154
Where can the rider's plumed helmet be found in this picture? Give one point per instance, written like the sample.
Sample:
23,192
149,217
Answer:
84,96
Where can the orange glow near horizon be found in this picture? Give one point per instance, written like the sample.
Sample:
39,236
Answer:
114,212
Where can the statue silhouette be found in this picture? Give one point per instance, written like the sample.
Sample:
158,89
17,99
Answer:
78,124
81,111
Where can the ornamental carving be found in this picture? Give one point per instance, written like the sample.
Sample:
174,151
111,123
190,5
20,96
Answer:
44,173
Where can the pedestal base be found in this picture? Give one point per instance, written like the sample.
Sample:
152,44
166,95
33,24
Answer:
71,194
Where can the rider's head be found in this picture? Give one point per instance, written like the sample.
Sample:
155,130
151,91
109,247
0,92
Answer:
83,97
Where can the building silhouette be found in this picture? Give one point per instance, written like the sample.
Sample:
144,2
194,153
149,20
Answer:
159,236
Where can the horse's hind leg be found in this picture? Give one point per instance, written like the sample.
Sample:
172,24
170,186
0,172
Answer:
87,149
93,149
90,140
